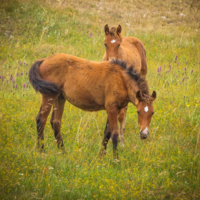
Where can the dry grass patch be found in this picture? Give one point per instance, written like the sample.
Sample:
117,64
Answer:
144,15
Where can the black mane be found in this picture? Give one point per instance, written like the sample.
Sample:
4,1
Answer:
141,82
121,63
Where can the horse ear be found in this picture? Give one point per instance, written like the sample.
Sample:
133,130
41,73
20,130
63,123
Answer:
106,29
154,95
119,29
138,95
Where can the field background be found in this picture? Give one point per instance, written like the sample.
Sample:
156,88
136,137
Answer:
165,166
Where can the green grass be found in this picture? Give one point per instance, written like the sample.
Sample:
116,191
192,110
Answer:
165,166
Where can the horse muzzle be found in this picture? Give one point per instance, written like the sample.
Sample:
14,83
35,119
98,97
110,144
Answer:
144,133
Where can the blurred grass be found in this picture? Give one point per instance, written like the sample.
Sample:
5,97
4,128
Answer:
165,166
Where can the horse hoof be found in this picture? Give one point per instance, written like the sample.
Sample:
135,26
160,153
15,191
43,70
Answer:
102,153
63,151
43,155
41,150
122,144
116,160
121,140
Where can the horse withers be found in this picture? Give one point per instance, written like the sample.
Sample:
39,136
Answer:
90,86
128,49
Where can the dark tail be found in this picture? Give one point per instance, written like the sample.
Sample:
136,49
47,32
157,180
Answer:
39,84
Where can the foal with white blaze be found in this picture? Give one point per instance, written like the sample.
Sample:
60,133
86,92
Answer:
128,49
90,86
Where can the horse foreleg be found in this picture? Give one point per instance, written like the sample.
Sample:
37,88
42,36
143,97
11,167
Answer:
107,134
58,109
42,118
112,118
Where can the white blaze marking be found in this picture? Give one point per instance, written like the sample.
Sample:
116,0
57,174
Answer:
146,109
113,41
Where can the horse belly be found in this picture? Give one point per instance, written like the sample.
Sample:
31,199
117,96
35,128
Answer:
84,100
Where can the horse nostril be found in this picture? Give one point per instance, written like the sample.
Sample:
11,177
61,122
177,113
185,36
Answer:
144,134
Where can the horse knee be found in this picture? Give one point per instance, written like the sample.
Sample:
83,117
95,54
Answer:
115,137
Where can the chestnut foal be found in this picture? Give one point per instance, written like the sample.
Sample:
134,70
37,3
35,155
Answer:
90,86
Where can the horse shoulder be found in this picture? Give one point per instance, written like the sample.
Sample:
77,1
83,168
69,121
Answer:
116,90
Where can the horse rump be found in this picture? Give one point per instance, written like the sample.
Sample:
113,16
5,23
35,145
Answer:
39,84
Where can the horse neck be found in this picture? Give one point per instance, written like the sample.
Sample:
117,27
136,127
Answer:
120,53
132,88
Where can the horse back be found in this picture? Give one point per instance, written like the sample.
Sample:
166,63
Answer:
135,53
86,84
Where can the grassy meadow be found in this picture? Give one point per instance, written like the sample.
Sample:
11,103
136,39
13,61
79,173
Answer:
165,166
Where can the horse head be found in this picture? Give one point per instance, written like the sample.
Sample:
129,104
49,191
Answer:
112,41
145,112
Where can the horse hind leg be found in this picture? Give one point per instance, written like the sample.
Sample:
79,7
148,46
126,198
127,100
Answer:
57,113
41,119
122,121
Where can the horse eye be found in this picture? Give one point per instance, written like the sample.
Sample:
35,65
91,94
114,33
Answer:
105,45
118,45
152,113
138,112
